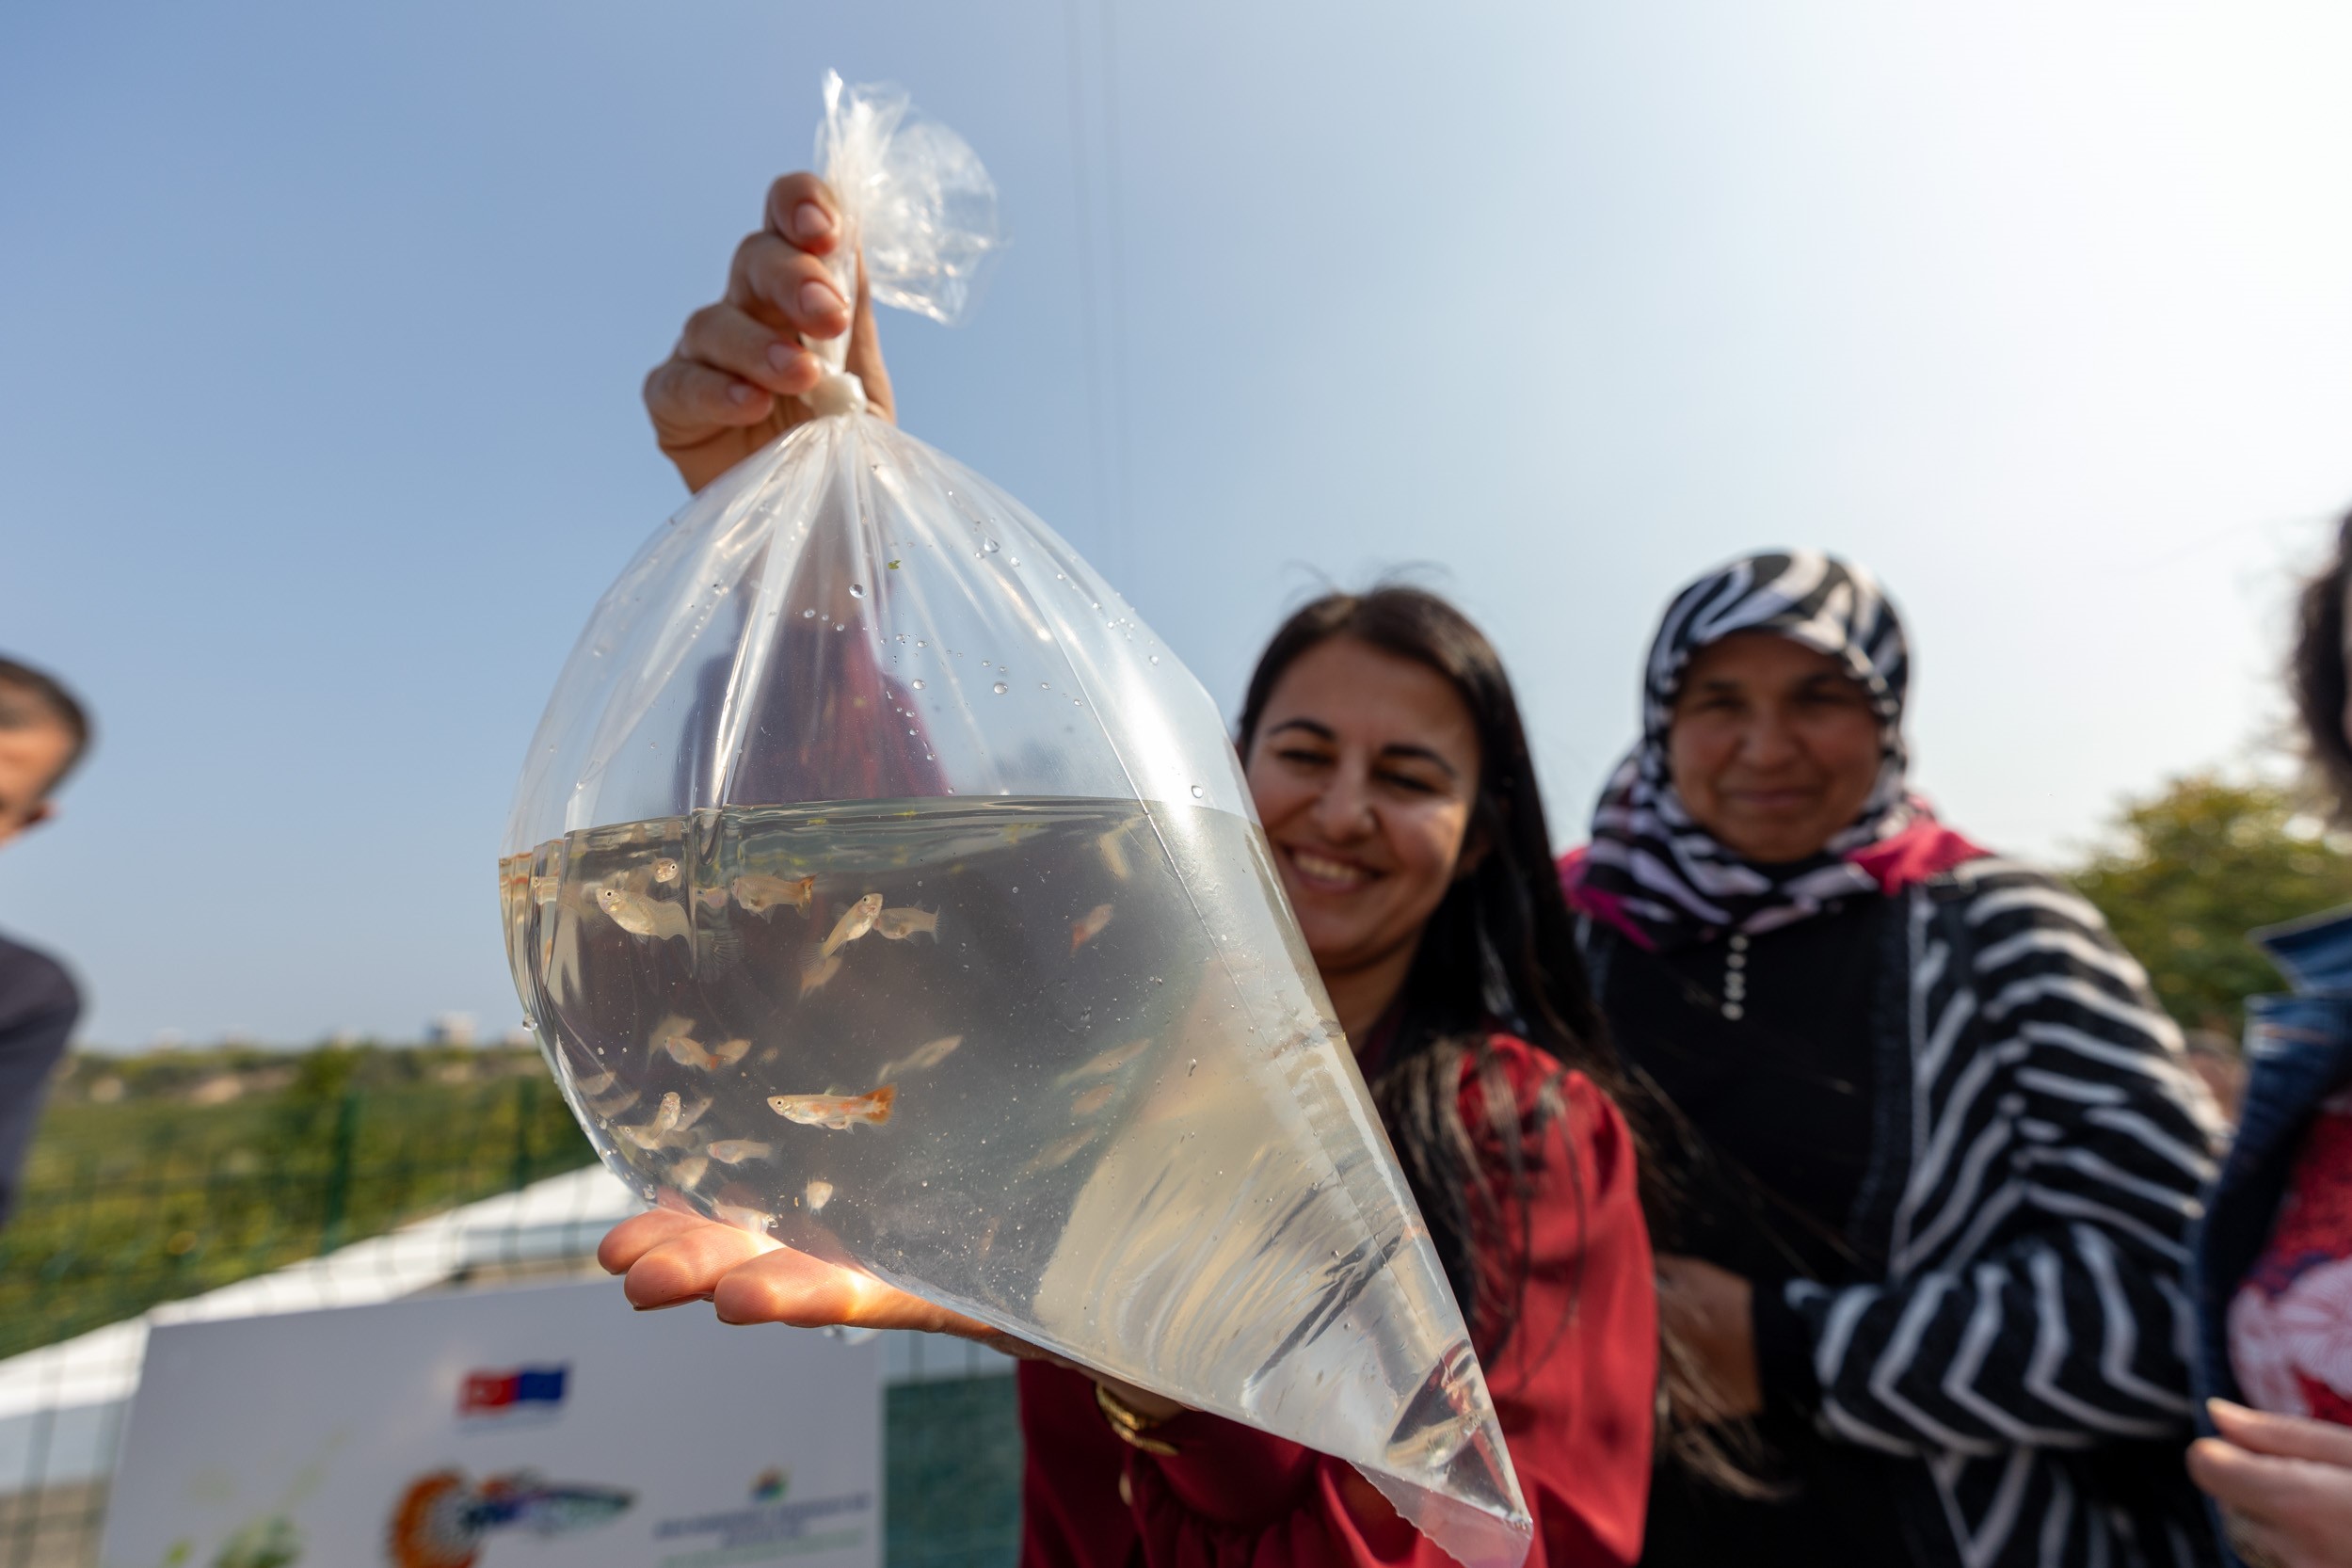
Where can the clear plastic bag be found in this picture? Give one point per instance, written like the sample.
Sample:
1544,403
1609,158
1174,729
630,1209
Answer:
878,882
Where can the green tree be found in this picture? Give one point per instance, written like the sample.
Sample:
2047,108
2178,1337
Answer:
2184,874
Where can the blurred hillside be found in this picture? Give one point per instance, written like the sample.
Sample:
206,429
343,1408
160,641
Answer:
160,1176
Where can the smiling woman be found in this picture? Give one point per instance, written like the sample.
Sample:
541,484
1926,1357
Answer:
1385,755
1935,1143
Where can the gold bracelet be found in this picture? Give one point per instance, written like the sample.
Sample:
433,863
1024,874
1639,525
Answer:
1130,1424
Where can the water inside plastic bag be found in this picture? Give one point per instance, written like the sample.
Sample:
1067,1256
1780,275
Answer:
879,882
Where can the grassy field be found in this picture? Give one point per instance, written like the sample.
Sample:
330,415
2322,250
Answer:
158,1176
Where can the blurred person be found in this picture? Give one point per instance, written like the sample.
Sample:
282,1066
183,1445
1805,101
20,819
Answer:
44,732
2219,1066
1935,1153
1383,748
2273,1272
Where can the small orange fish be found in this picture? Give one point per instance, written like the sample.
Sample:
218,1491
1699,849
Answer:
855,922
643,917
734,1151
820,1193
920,1058
1114,854
742,1217
896,925
689,1172
1103,1064
727,1053
665,870
821,968
652,1134
838,1111
762,894
1089,927
689,1115
615,1104
687,1052
674,1026
1061,1153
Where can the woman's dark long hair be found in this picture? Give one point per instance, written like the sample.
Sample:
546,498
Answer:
2315,672
1500,951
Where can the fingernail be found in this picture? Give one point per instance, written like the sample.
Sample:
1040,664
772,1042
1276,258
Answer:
782,356
818,299
809,222
738,393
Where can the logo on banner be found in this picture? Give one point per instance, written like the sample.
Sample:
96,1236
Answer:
522,1390
770,1484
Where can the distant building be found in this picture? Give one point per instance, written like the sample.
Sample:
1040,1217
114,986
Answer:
450,1029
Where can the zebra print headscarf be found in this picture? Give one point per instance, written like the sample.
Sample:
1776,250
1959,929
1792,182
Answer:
1652,865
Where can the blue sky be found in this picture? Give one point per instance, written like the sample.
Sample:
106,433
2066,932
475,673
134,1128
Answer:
322,329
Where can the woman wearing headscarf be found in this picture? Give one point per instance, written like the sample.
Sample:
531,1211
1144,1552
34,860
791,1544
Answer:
1935,1147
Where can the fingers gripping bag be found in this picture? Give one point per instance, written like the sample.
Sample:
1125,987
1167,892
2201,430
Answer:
879,882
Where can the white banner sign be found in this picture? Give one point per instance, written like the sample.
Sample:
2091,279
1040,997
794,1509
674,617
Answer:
508,1429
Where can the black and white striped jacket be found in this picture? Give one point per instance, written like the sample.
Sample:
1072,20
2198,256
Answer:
2038,1152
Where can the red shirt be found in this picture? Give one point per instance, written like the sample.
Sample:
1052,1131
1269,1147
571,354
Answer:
2290,1326
1575,1389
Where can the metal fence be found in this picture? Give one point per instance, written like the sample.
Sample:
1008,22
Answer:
351,1196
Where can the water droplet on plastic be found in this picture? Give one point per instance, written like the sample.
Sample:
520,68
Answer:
992,546
1193,1068
920,643
1155,658
808,615
1199,794
838,627
999,688
919,685
1044,685
1014,559
857,590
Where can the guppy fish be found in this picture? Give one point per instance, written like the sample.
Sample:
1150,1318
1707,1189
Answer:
819,1194
691,1052
762,894
734,1151
920,1058
689,1172
439,1520
1103,1064
669,1032
643,917
1089,926
1114,854
1061,1153
650,1136
896,925
853,923
665,870
821,968
838,1111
